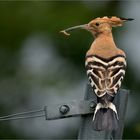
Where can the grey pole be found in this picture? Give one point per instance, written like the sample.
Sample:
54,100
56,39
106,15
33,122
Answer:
86,131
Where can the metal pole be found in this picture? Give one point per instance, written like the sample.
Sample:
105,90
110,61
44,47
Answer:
86,131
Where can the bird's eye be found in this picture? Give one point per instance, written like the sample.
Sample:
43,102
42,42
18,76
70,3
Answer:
97,23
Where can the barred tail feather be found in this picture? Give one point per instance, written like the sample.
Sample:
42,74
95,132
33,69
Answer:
105,118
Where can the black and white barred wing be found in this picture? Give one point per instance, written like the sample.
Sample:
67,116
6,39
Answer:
116,72
105,75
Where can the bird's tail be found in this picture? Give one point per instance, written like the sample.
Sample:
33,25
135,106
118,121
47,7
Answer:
105,118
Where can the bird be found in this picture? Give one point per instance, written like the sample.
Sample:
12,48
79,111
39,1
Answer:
105,65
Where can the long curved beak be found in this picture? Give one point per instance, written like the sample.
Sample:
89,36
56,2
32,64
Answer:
84,26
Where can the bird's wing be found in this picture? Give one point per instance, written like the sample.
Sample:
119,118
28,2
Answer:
105,76
116,72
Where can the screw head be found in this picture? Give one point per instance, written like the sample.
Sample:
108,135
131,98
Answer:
92,105
64,109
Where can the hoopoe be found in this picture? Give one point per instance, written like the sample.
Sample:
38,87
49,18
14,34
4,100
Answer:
105,65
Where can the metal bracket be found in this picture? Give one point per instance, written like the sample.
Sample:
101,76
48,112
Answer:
73,108
55,111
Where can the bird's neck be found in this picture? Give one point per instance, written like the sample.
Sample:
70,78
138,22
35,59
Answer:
106,35
104,40
103,46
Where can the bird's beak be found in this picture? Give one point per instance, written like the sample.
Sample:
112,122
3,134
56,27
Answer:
84,26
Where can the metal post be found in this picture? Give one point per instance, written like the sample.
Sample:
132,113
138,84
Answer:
86,131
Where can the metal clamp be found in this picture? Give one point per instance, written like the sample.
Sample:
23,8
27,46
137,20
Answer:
70,109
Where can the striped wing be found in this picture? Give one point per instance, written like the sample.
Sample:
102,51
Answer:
105,75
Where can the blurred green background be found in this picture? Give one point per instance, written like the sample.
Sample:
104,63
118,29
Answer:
39,66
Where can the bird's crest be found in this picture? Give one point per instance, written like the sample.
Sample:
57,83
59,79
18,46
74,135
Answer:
114,21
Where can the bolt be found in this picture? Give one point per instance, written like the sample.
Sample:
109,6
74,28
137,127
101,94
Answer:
92,104
64,109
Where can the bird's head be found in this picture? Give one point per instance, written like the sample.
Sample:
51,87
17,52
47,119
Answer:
100,25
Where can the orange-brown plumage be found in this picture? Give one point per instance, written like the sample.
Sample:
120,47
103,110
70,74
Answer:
104,46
